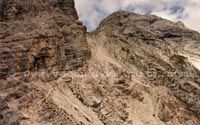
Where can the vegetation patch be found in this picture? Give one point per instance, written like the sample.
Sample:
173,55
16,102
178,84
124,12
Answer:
178,59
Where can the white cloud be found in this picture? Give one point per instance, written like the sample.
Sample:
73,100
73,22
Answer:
91,12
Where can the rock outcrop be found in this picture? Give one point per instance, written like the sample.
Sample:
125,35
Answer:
36,34
161,49
132,70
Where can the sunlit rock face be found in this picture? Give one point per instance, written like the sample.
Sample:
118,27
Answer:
166,48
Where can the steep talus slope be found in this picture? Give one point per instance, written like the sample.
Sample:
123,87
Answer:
123,92
132,70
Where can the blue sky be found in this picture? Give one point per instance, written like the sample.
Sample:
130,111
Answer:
91,12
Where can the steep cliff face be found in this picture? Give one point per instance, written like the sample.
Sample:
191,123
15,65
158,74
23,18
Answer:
37,34
132,70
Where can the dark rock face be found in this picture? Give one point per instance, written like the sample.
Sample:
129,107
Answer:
21,9
38,34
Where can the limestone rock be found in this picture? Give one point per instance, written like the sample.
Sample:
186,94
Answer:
160,46
38,35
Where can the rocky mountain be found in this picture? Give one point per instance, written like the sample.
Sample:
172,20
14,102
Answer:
37,36
132,70
40,35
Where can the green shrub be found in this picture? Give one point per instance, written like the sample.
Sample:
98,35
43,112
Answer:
178,59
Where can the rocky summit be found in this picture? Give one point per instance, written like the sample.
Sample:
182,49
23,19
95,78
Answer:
132,70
